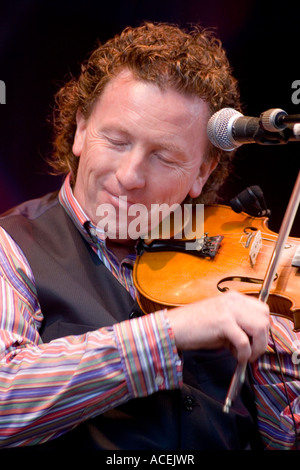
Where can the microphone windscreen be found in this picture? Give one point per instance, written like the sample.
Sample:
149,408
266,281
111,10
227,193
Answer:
219,128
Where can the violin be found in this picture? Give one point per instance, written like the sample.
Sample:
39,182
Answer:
235,253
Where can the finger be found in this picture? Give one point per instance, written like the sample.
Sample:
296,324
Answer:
259,343
238,342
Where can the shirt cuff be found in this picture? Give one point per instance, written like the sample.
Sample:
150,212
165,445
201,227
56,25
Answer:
149,355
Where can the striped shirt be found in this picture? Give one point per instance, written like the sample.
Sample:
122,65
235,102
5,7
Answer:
276,383
47,389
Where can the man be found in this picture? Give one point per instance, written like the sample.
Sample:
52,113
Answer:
80,364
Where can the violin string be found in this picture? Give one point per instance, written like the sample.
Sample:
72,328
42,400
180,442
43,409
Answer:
232,237
265,235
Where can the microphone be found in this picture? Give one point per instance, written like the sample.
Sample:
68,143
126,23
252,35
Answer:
227,129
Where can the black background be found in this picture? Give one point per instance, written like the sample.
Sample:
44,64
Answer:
41,42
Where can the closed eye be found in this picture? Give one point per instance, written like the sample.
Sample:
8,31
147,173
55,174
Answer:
166,158
118,143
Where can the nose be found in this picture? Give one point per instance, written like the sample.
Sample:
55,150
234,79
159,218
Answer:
131,171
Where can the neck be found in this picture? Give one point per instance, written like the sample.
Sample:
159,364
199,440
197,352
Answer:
121,250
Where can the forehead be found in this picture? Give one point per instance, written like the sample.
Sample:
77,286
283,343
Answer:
125,93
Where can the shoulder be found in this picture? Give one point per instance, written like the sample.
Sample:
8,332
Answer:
25,222
31,209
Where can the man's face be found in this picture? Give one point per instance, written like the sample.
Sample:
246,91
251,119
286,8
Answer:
143,144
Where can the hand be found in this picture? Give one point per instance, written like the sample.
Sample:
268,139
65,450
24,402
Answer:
233,320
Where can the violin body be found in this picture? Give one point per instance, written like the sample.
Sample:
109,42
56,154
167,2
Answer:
167,279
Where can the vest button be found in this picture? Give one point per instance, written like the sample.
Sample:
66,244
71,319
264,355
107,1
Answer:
135,315
189,403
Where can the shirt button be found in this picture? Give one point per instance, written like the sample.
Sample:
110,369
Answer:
189,403
159,380
93,232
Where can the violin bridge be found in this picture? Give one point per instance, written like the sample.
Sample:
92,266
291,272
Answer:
296,258
255,248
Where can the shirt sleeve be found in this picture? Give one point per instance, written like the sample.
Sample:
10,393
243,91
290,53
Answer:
48,389
276,382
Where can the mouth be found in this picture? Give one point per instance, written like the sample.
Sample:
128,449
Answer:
120,202
122,219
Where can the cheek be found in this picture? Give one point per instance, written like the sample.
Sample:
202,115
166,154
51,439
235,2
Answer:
168,188
181,182
95,160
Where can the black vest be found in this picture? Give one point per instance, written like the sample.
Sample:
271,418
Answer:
78,294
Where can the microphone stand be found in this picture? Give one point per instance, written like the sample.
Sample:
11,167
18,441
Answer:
239,374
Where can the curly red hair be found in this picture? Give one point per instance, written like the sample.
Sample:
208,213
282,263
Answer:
192,62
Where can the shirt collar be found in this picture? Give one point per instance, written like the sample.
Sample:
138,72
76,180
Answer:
77,214
88,230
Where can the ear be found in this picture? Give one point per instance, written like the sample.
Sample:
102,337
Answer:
206,168
79,136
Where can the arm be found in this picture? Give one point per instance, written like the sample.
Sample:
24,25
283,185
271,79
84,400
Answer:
47,389
75,378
